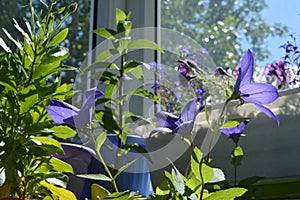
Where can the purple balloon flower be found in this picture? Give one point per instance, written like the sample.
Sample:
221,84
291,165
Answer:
172,124
66,114
234,131
256,93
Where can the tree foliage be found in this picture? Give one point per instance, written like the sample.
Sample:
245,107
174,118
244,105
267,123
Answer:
222,26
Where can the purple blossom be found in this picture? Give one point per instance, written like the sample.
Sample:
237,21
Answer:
234,131
66,114
182,125
203,50
256,93
278,70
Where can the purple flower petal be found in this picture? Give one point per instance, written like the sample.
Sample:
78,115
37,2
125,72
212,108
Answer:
59,103
185,128
268,112
160,130
260,93
189,111
59,114
234,131
245,70
168,120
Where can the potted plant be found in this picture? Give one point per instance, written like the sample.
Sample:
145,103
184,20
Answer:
28,138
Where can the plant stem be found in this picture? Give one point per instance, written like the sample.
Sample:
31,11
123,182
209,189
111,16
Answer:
121,88
113,181
215,130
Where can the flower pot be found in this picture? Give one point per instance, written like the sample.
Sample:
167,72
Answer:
137,176
83,160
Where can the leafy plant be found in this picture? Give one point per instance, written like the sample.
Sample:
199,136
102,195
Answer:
27,136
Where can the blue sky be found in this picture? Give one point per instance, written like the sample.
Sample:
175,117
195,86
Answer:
285,12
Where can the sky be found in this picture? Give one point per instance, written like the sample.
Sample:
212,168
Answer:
285,12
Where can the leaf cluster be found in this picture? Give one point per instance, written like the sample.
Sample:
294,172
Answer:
27,136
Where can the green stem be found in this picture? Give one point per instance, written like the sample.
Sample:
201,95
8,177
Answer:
113,181
215,130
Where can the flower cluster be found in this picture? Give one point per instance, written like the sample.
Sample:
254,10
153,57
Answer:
279,71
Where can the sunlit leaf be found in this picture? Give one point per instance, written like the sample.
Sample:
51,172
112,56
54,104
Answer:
59,37
99,192
49,144
99,177
106,33
233,123
100,140
144,44
228,194
62,193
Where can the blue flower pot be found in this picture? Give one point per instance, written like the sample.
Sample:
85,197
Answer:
84,161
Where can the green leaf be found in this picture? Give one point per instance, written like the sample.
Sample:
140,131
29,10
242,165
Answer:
100,140
234,122
61,166
26,105
145,93
63,132
106,33
59,37
200,168
61,193
218,176
48,144
121,169
105,55
99,177
18,44
144,44
178,180
4,46
107,121
138,148
130,65
99,192
100,65
237,156
163,189
120,15
110,90
228,194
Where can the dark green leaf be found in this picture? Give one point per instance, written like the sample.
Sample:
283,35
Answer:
138,148
121,169
249,181
107,121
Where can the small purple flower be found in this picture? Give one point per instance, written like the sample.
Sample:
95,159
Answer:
256,93
203,50
182,125
278,70
66,114
234,131
156,85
